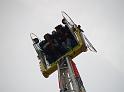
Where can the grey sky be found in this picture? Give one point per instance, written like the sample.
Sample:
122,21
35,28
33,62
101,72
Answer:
103,23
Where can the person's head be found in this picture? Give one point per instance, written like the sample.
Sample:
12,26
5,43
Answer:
36,40
47,37
58,28
53,32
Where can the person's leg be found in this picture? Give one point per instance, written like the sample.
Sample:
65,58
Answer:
69,42
61,49
49,59
74,42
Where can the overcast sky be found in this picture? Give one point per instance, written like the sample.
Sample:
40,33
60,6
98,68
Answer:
103,23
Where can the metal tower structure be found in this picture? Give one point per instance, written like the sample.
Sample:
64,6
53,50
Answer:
69,81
